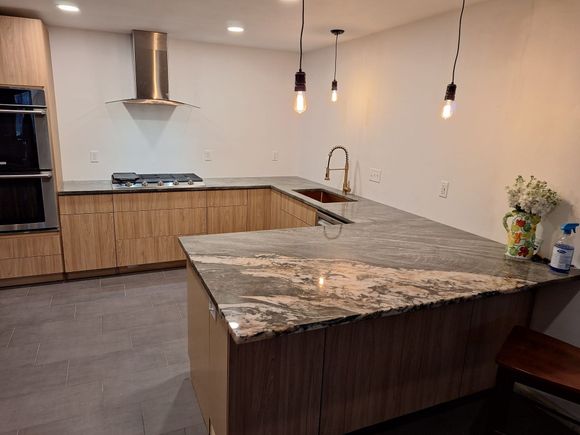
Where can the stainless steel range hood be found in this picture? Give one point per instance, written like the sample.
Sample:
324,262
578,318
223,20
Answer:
151,76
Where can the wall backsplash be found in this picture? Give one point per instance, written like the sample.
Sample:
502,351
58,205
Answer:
245,113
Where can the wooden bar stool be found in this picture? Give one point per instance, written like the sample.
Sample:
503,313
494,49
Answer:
536,360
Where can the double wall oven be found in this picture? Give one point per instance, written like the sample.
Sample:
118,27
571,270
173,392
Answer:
27,185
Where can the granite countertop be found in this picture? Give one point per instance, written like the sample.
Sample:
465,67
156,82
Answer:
268,283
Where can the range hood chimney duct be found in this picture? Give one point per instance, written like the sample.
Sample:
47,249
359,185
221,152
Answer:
151,72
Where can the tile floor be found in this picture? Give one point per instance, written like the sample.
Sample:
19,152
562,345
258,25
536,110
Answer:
99,356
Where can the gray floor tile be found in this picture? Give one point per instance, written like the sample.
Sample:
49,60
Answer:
12,432
61,330
110,306
17,291
151,317
179,274
114,421
52,405
199,429
25,301
5,336
179,412
175,294
17,381
89,294
63,287
147,336
18,355
114,364
155,384
21,315
60,349
175,351
136,278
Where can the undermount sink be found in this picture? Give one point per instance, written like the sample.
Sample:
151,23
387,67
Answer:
322,195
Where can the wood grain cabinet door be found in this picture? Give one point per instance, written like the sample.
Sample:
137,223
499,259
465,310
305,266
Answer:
227,211
88,232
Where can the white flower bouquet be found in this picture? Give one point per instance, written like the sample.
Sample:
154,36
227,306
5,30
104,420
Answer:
532,196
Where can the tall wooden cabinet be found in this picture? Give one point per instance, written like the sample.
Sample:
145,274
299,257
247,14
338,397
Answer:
25,61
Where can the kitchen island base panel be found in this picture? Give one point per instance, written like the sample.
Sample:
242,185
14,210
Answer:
345,377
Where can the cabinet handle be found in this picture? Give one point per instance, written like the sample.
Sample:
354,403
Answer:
24,111
19,176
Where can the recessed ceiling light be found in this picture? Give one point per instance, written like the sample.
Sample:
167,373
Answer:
68,8
235,29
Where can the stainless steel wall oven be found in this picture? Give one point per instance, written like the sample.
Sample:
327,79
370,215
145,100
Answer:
27,187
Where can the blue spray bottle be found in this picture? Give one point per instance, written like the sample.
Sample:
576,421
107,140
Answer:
564,250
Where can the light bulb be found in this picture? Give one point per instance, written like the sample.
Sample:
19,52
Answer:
334,96
300,104
448,109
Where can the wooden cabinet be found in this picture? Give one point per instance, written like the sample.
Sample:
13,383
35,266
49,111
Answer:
32,254
286,212
208,354
227,211
259,204
25,61
88,232
128,229
148,224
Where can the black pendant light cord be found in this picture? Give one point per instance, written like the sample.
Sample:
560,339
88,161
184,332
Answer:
335,55
458,42
301,35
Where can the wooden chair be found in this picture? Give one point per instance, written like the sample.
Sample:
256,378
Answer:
536,360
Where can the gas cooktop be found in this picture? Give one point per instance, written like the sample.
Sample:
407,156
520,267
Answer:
131,180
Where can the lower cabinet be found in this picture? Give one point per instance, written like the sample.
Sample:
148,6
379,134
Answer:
33,254
105,231
88,232
287,212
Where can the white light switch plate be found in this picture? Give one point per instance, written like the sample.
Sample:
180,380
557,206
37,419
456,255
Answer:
207,155
94,156
375,175
444,189
275,156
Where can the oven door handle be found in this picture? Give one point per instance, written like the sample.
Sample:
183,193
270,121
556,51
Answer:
24,111
21,176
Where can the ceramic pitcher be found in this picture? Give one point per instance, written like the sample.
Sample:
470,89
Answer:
521,234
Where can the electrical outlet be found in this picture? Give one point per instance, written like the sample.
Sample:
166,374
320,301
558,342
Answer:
375,175
207,155
275,156
444,189
94,156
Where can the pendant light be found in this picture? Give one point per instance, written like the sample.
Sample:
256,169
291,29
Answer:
334,87
300,104
449,103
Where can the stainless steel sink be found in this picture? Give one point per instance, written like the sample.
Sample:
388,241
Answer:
322,195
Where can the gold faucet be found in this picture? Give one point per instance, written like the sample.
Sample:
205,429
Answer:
345,182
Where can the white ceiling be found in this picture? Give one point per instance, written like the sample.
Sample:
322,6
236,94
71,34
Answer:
269,23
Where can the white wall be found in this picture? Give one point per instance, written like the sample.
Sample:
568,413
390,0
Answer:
518,112
244,94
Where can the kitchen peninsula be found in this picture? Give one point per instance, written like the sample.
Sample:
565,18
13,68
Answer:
324,330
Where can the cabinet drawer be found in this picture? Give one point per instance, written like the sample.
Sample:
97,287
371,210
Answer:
148,250
81,204
159,200
299,210
29,245
30,266
227,219
224,198
155,223
88,241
